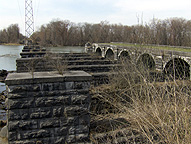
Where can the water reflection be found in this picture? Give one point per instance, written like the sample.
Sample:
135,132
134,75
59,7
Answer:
2,87
66,49
8,56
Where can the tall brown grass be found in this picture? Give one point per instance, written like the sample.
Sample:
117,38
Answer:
133,108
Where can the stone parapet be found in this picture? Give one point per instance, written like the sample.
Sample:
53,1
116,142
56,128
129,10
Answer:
47,107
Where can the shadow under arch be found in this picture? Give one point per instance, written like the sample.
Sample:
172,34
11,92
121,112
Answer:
98,51
177,68
124,56
109,54
146,61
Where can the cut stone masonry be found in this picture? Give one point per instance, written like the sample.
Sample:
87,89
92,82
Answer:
48,107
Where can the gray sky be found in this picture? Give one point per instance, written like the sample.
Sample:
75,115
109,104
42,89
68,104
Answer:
126,12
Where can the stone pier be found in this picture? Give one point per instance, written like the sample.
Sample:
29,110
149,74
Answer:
48,108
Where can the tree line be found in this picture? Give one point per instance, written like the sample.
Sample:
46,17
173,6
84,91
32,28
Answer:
11,35
172,31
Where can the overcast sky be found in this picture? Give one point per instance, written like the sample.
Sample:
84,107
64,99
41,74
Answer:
126,12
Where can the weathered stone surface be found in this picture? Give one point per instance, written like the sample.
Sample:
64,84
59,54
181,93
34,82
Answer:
39,113
61,131
35,134
71,139
48,109
80,99
17,95
69,85
60,140
22,125
82,138
46,77
12,136
49,123
75,111
84,120
4,132
58,112
81,85
20,103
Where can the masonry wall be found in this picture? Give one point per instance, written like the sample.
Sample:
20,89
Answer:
48,108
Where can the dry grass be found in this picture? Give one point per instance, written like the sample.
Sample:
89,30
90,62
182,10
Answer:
56,62
134,109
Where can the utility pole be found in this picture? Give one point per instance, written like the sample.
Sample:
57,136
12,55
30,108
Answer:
29,20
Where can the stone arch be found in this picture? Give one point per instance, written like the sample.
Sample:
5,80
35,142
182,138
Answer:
146,61
109,54
98,51
177,68
124,55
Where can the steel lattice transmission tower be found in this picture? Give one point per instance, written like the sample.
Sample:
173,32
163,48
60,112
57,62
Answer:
29,19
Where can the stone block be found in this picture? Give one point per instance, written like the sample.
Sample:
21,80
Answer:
17,89
20,103
17,95
35,94
39,113
22,125
33,141
21,114
69,85
35,134
47,87
51,93
12,136
60,140
58,111
82,138
84,120
23,142
49,123
82,85
69,121
35,88
52,101
80,99
51,86
62,100
61,131
75,111
71,139
80,129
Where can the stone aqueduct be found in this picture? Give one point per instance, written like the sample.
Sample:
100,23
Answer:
166,61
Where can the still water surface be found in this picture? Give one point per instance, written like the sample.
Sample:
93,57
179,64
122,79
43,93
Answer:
9,54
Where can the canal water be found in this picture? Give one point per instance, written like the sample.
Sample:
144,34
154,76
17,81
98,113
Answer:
9,54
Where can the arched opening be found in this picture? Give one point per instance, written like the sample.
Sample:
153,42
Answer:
177,68
146,61
109,54
98,52
124,56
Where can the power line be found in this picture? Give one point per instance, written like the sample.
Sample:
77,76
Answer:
21,16
37,4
